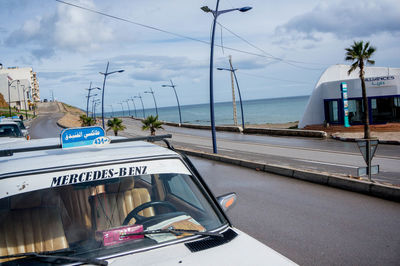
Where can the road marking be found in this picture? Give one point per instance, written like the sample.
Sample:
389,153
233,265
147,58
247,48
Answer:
333,164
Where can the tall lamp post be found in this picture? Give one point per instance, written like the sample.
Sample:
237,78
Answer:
216,13
154,98
94,108
23,92
122,109
88,96
104,84
9,94
134,105
129,111
232,70
140,97
112,109
177,100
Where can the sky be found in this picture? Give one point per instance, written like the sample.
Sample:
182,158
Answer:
279,48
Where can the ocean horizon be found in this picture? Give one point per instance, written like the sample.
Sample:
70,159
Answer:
259,111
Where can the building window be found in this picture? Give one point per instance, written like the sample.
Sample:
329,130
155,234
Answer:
356,112
332,111
385,109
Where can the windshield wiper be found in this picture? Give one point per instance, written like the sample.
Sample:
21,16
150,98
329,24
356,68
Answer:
177,232
53,255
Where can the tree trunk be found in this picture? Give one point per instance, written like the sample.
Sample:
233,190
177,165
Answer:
115,132
367,134
153,132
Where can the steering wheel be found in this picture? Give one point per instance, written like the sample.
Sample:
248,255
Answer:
139,218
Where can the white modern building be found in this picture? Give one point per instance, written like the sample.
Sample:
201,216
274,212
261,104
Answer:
19,86
326,104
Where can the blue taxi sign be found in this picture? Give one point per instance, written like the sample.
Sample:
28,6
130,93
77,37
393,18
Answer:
83,136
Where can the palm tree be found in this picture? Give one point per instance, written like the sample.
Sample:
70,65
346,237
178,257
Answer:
152,123
116,125
87,121
358,53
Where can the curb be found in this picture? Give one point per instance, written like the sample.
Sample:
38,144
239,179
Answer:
322,178
392,142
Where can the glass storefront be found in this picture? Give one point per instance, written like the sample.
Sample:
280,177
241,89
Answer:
382,110
385,109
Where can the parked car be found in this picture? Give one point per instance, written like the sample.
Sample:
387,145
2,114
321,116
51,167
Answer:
120,201
9,128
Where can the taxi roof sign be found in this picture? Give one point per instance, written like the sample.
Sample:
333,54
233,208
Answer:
83,136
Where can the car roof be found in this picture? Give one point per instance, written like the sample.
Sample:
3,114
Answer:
88,155
7,121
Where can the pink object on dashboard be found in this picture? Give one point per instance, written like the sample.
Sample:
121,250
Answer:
121,234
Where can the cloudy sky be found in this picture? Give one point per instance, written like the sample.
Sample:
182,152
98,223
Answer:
279,47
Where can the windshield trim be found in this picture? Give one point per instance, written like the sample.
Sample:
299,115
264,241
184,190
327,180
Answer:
198,179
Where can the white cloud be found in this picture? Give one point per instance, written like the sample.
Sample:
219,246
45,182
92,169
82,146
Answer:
68,29
343,19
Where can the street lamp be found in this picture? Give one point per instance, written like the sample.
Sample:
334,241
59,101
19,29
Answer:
129,111
122,109
152,93
26,111
112,109
104,84
94,108
89,90
134,105
216,13
94,102
232,70
177,100
140,97
9,94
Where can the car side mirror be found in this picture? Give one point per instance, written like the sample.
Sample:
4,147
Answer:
227,201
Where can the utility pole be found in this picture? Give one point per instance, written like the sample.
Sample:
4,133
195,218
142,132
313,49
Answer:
235,122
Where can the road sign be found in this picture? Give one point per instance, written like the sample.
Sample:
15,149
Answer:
364,170
363,146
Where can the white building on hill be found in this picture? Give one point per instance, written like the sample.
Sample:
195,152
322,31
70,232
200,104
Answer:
24,87
383,92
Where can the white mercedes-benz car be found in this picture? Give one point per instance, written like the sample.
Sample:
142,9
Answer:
90,200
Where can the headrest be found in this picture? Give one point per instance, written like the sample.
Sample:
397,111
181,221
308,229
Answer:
124,184
26,200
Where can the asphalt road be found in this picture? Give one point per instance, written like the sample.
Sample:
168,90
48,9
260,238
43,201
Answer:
303,153
44,126
310,224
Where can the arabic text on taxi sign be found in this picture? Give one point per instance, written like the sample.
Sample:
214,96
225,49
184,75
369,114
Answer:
82,136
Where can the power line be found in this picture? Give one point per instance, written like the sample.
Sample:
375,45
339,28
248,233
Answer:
268,54
265,55
269,78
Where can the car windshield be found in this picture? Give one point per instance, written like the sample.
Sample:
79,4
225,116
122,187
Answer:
104,217
10,130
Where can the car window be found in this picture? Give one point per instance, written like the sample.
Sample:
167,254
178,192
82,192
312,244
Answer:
178,186
10,131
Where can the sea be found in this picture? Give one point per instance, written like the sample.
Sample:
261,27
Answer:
261,111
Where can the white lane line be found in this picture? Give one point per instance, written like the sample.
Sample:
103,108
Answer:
333,164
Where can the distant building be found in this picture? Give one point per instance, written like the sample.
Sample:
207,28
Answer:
383,91
24,89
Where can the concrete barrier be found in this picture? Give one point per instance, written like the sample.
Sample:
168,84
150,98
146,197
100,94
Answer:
286,132
323,178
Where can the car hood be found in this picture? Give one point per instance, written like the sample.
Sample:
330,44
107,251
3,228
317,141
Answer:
242,250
